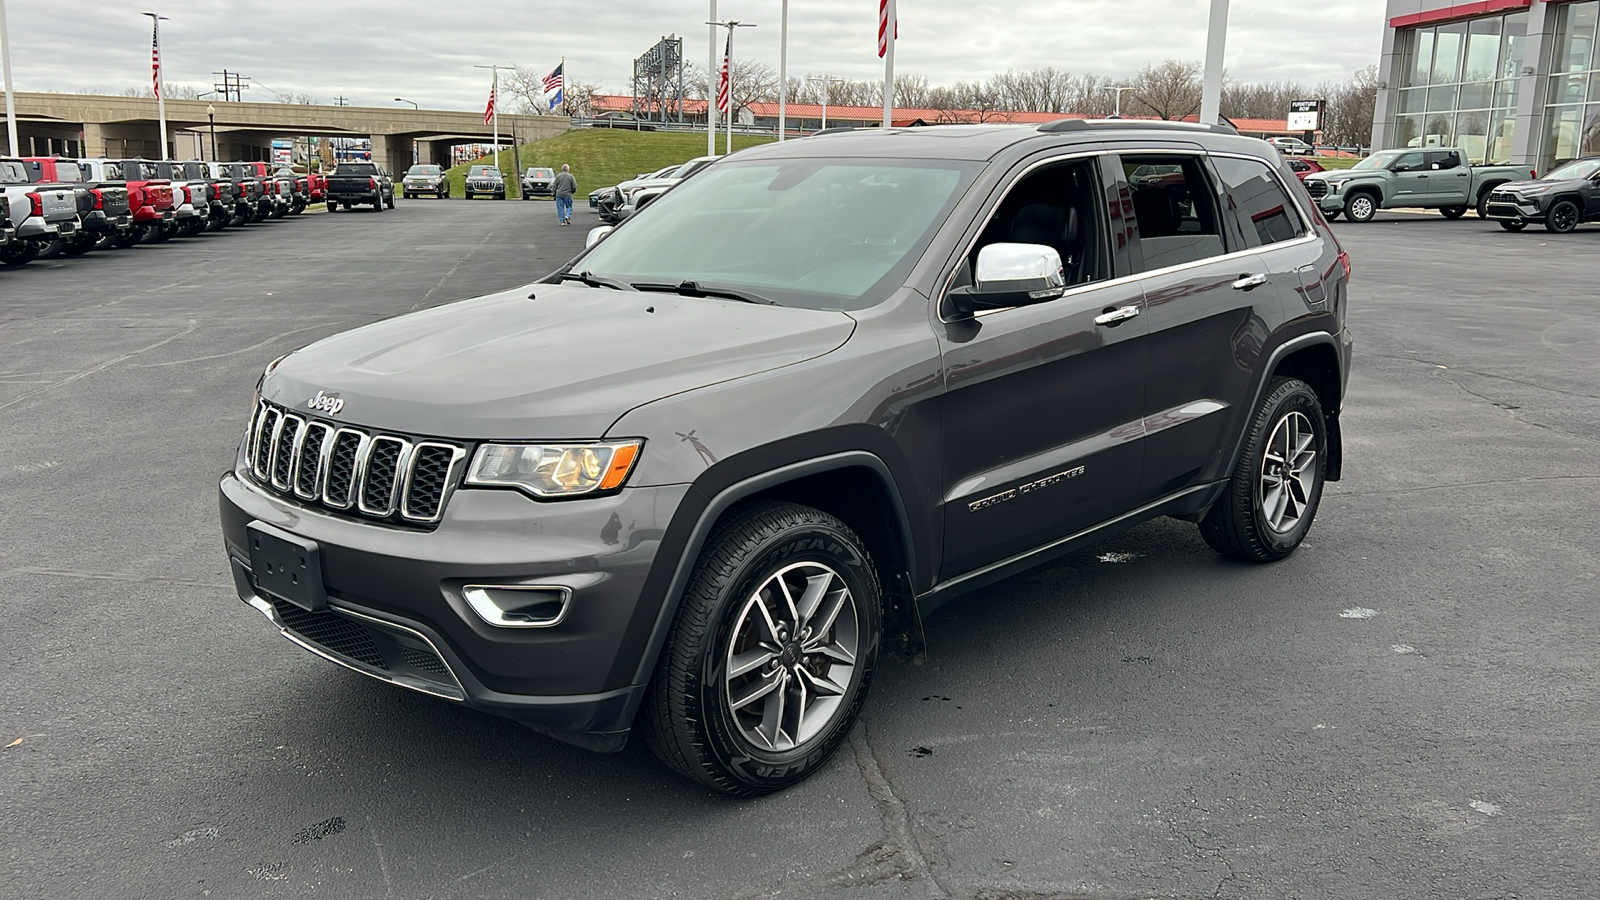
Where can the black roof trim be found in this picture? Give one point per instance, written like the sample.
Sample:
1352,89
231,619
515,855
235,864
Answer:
1070,125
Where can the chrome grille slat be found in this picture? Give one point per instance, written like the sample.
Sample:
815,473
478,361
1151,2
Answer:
350,470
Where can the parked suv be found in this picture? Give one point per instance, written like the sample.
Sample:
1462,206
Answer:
696,479
1564,198
537,181
484,180
425,179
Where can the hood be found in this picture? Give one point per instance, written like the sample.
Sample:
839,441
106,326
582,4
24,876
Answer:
563,366
635,184
1541,185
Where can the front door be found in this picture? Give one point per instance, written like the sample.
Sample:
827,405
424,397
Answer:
1410,181
1041,428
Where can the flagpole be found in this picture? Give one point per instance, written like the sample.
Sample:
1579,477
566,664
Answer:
730,90
11,106
161,82
1216,44
783,72
711,73
893,28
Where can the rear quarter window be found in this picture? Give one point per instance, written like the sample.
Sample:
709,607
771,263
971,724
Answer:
1258,201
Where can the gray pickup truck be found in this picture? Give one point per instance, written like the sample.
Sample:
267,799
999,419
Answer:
1431,178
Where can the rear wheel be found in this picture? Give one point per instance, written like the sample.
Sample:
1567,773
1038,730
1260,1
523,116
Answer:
79,245
1274,491
333,205
772,652
1562,217
390,201
1483,202
130,237
1360,207
1453,212
1512,226
49,249
19,253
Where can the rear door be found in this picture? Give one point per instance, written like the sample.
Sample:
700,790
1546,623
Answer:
1449,179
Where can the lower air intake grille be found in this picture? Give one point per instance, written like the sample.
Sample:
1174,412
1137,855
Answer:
344,638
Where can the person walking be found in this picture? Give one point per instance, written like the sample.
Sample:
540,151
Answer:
564,187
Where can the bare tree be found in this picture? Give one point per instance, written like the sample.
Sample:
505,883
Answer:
1347,120
752,82
1170,90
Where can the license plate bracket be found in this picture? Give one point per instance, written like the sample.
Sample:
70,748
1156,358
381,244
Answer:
286,566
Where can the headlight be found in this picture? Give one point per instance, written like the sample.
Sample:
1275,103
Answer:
554,470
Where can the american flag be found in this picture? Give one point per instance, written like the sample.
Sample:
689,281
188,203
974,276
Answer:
883,27
554,83
155,59
488,111
722,85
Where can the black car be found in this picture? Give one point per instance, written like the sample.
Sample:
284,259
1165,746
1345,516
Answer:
697,479
1563,199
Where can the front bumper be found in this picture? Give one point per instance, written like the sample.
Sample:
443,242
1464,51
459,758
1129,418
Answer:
1512,208
397,593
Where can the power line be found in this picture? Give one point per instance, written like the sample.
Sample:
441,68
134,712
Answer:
232,86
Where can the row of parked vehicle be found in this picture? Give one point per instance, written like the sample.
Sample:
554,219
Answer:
52,206
620,201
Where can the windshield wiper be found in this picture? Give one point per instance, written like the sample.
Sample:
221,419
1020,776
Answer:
593,280
696,289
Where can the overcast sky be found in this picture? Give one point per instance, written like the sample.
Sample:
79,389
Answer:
372,51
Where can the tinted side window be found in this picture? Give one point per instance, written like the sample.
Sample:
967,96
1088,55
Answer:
1441,160
1411,160
1174,208
1264,211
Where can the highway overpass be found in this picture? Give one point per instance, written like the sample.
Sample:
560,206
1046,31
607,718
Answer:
127,127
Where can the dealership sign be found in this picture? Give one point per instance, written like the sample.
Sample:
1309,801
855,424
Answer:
1305,115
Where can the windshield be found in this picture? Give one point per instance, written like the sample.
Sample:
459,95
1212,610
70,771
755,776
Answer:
814,233
423,170
1572,171
1379,160
483,172
689,168
541,173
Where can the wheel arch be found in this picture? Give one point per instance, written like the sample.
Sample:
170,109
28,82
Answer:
856,486
1314,359
1372,188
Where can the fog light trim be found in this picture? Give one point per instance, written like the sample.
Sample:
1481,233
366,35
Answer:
519,605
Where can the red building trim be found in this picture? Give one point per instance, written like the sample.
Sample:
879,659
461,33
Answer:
1458,11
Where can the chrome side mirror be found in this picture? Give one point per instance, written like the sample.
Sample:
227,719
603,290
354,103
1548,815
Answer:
596,235
1012,275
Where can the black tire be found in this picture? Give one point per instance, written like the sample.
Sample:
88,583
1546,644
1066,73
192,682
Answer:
19,253
405,195
1510,225
1360,207
164,232
1483,201
216,224
133,236
688,716
1562,217
333,205
79,245
1330,216
106,241
390,201
1453,212
1240,524
49,249
444,194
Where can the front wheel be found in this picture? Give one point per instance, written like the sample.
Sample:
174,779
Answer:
19,253
770,658
1330,215
1360,207
1483,202
1512,226
1276,486
389,202
1453,212
1562,217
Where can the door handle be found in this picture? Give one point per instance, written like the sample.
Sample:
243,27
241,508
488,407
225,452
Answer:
1249,282
1116,316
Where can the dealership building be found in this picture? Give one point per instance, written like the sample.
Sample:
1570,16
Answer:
1507,80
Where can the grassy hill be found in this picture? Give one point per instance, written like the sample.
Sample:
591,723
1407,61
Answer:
601,157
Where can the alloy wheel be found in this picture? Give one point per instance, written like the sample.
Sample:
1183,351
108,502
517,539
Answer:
791,657
1288,473
1361,209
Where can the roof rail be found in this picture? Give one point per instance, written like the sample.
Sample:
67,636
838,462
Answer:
1061,126
834,129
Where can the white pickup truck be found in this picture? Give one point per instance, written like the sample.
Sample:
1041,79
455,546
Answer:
1430,178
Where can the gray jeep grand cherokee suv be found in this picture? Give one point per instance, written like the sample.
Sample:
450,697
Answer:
695,480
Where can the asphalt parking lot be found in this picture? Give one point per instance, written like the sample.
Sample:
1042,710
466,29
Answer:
1407,707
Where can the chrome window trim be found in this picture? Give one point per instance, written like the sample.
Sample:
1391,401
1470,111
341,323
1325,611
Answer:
458,456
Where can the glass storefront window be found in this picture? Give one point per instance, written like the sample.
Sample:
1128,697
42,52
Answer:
1514,32
1572,116
1483,49
1421,56
1477,96
1447,53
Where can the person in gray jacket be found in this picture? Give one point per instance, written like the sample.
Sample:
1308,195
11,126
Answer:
564,187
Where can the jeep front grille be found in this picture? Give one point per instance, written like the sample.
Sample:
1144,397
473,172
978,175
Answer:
392,477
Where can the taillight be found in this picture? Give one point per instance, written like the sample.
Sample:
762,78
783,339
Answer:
1344,263
372,183
38,204
99,200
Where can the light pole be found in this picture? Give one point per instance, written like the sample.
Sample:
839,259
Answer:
731,24
1216,44
828,81
1119,88
5,62
211,116
158,77
783,72
414,103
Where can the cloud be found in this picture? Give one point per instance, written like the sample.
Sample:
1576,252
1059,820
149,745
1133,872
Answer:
372,51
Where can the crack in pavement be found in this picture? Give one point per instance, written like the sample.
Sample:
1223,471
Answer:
189,329
113,576
1466,484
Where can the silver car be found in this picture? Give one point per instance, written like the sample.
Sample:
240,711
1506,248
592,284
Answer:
420,181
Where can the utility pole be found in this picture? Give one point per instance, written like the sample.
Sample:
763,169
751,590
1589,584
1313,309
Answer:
828,81
232,86
731,24
341,100
5,62
494,95
158,75
1216,44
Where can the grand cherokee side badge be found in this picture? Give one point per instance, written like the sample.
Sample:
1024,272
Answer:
1030,487
328,403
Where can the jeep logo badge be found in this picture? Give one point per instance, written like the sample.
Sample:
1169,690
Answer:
328,403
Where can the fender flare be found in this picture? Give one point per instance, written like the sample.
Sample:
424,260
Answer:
726,498
1292,345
